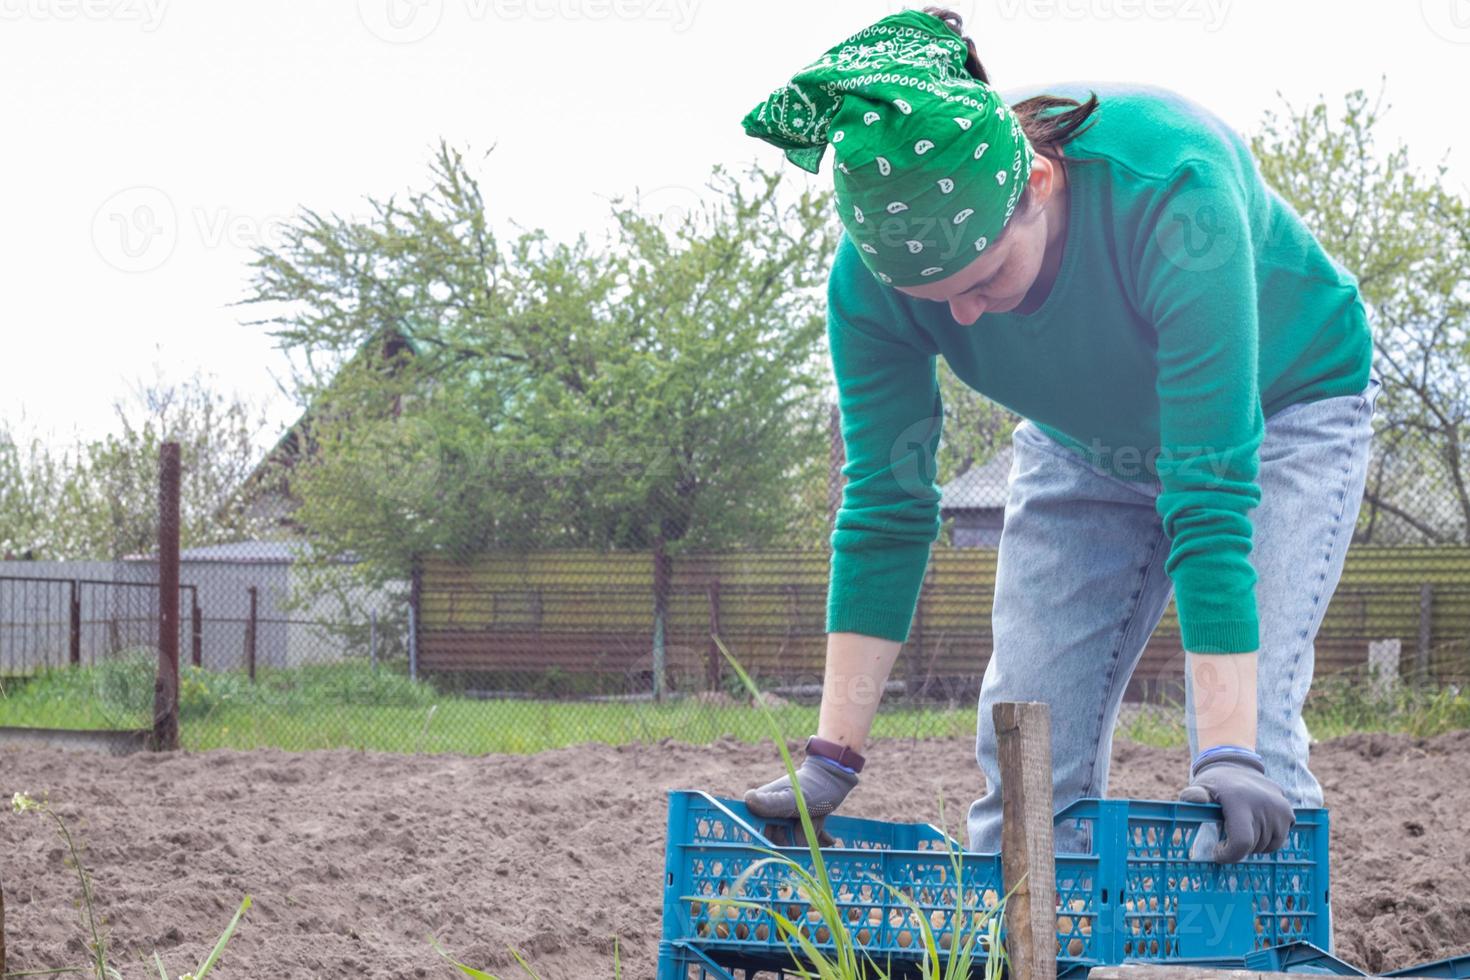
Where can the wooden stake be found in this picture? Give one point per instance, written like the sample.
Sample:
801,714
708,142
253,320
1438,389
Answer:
2,931
1023,746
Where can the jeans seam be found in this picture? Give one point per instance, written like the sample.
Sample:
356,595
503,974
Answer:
1115,655
1304,633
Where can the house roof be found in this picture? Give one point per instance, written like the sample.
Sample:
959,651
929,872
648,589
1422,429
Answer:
241,553
290,446
257,552
980,487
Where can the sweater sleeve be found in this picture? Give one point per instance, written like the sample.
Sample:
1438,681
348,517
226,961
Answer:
1197,285
888,394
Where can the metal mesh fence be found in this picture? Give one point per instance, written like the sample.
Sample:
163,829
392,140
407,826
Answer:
286,641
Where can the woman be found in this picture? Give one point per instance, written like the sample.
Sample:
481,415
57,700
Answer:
1194,373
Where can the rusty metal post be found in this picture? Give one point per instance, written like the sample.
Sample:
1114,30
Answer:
250,623
166,687
74,635
1426,633
713,669
2,930
196,629
415,616
662,586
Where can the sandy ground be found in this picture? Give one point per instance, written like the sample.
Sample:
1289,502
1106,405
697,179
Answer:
353,859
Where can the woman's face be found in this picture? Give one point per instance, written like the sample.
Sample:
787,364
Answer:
999,279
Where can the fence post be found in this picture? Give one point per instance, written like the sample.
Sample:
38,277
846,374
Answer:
415,598
196,628
74,635
661,577
1426,622
1028,864
250,634
1383,666
166,686
714,631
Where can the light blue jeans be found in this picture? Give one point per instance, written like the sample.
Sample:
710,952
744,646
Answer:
1080,586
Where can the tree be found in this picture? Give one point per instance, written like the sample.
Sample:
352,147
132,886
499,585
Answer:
98,499
31,481
661,392
1406,235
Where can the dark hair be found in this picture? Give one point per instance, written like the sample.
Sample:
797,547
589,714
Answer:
1047,131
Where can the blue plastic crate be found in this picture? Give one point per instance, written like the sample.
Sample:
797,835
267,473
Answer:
1300,958
690,963
1159,905
1454,968
1133,894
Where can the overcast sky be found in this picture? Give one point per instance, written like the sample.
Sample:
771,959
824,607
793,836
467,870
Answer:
149,143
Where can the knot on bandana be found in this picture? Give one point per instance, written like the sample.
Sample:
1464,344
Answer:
929,162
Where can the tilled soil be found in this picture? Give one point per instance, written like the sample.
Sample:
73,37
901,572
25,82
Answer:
353,859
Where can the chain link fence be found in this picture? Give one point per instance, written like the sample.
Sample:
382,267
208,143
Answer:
285,641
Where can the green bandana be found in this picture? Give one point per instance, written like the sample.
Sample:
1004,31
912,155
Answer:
929,161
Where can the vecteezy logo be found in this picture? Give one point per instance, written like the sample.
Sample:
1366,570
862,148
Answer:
912,457
1450,19
136,230
1196,231
672,207
400,21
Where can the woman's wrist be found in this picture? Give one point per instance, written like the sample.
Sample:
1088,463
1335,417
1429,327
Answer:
844,757
1223,695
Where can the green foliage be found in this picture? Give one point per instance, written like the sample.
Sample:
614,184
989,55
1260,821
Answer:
1406,235
470,393
99,499
1349,702
348,705
32,478
1159,723
118,692
1342,703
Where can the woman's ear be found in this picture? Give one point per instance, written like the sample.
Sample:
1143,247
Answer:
1041,184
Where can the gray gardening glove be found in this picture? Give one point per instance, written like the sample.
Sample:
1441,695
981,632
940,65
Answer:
1257,815
824,785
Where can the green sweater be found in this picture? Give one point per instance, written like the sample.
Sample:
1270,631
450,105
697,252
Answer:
1191,303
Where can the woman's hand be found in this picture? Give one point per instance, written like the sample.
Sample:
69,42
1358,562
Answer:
1257,814
824,785
852,686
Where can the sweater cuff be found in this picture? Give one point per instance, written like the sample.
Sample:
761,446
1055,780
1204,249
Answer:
884,623
1222,636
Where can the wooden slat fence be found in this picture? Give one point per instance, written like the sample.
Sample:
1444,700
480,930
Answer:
587,612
